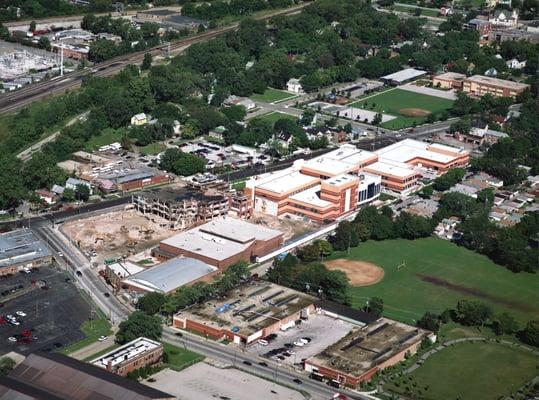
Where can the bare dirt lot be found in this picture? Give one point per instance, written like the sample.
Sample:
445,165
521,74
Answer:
115,234
360,273
292,228
414,112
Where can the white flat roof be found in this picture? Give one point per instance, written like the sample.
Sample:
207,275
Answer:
404,75
125,269
220,242
408,149
391,168
349,154
311,196
287,182
341,179
126,352
329,166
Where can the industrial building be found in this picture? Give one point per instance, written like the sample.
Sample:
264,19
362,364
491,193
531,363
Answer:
20,249
180,208
169,276
221,243
366,350
56,376
139,353
479,85
116,272
247,313
403,76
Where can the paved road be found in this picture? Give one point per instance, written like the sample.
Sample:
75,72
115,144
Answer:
274,371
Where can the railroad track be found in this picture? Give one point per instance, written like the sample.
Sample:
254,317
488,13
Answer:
11,102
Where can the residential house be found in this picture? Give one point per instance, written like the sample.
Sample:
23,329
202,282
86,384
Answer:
504,18
514,63
46,196
139,119
492,72
293,85
72,183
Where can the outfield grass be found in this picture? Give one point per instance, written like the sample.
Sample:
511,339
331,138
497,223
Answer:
110,136
407,294
153,148
275,116
474,371
178,358
394,100
272,95
92,330
425,12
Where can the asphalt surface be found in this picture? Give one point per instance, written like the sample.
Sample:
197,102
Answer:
274,371
54,315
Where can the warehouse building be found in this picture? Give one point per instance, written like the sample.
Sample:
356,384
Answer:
180,208
169,276
366,350
248,313
21,249
402,76
56,376
138,353
221,243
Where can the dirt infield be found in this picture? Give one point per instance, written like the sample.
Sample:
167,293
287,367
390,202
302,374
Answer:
360,273
414,112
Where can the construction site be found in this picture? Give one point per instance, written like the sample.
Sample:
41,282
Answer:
17,61
115,234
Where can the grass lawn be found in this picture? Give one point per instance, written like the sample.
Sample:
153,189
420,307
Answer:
179,358
395,102
92,330
437,274
475,371
95,142
275,116
425,12
153,148
238,185
272,95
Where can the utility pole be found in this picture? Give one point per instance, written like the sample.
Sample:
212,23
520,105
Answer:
62,60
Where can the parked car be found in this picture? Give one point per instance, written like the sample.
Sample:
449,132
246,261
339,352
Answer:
299,343
247,362
298,381
12,339
102,338
263,342
21,313
263,364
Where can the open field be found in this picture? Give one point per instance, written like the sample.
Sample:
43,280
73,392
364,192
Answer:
436,275
275,116
360,273
408,106
109,136
178,358
93,330
153,148
425,12
474,371
272,95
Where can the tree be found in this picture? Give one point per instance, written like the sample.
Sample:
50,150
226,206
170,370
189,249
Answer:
6,365
472,313
68,195
345,236
430,322
449,179
44,43
82,192
151,302
12,189
4,32
409,226
504,324
180,163
377,119
307,117
426,192
375,306
139,324
530,333
146,62
32,27
486,197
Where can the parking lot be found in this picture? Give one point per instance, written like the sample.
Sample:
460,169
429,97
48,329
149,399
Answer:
203,381
322,331
53,308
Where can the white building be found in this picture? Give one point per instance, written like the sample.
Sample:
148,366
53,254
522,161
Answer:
139,119
515,64
293,85
504,18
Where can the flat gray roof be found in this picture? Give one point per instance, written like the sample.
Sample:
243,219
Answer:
404,75
221,238
170,275
19,246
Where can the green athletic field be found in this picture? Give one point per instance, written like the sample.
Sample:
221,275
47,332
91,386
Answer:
470,371
399,103
275,116
436,275
272,95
